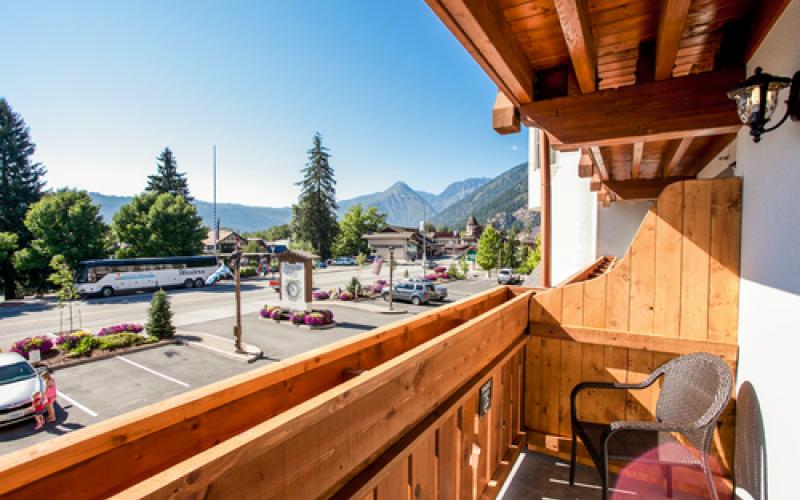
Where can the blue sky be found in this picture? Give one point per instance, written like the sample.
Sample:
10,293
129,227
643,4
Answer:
104,86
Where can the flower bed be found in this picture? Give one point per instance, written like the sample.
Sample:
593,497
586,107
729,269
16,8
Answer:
315,317
121,328
23,347
345,296
320,295
440,269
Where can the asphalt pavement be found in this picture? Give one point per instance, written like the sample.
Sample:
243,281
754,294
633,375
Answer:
99,390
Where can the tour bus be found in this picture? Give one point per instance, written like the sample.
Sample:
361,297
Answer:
105,277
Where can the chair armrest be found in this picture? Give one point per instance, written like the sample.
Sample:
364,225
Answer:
606,385
650,426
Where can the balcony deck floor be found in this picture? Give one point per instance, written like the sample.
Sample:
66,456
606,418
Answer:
542,477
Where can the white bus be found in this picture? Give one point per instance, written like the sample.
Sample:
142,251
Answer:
105,277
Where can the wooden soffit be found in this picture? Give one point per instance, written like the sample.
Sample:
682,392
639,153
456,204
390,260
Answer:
695,105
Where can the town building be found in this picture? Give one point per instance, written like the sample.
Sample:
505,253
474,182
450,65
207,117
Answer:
407,243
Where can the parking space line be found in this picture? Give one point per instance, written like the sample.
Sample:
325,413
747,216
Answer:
134,363
76,404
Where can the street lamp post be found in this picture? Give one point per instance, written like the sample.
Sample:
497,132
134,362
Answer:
424,241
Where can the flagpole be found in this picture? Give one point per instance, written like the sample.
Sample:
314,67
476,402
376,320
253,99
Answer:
215,229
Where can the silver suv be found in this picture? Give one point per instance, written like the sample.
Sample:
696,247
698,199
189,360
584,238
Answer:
438,292
416,293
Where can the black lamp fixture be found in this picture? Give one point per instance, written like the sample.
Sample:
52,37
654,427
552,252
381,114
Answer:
757,97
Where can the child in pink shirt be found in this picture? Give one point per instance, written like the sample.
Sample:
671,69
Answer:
37,402
50,395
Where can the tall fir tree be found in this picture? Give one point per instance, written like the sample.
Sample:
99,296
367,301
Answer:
168,179
21,183
315,216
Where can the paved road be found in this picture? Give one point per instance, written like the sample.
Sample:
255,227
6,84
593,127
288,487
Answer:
99,390
189,306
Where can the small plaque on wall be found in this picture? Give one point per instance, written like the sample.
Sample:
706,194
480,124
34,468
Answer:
485,398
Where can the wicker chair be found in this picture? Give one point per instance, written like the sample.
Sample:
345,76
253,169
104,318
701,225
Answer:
695,391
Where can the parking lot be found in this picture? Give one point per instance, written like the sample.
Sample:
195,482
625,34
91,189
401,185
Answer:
96,391
99,390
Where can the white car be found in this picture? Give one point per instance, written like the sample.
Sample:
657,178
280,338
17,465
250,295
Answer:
506,277
18,381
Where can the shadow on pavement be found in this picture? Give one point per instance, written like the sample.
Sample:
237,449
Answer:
25,429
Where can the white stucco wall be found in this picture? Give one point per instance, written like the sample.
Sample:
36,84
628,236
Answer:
574,218
769,330
617,225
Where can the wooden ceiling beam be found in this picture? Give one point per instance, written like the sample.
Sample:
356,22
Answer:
577,28
483,30
636,159
585,164
671,23
639,189
505,116
660,110
597,157
674,156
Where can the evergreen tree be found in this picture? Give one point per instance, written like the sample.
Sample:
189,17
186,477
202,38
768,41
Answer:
21,185
168,179
159,322
316,209
489,246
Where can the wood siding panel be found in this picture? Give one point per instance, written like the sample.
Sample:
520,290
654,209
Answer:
723,304
695,259
669,236
643,276
618,296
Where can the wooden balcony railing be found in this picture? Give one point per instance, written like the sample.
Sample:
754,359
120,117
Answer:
301,428
432,405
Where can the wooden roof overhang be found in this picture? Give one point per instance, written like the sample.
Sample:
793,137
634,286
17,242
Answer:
638,85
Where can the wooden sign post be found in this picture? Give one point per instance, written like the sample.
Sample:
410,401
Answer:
295,279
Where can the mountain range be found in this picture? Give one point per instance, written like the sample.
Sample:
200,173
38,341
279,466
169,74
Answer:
499,200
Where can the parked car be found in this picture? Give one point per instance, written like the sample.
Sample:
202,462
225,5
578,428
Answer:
507,277
438,292
320,264
344,261
416,293
431,264
18,381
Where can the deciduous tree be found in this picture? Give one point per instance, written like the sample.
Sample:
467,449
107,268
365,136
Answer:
158,225
67,223
488,248
355,223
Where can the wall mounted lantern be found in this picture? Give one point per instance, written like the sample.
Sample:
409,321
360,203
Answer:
757,97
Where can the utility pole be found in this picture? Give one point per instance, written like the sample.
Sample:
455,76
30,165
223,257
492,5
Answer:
215,229
391,277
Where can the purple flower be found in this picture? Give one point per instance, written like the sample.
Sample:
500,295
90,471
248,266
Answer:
26,345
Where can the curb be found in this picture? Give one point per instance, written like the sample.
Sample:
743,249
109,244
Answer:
110,354
251,354
354,305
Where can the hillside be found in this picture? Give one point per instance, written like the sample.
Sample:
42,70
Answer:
242,218
503,195
402,205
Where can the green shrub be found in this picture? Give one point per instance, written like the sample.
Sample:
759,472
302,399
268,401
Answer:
454,273
354,287
248,272
120,340
84,347
159,324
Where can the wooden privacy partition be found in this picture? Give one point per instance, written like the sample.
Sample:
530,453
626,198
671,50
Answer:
675,291
296,417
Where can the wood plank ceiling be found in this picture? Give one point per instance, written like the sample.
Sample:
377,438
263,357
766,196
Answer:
580,56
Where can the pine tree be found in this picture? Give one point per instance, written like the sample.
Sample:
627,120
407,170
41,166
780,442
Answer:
316,209
21,185
159,315
168,179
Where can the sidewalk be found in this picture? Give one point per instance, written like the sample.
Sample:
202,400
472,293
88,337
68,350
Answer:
372,307
222,346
